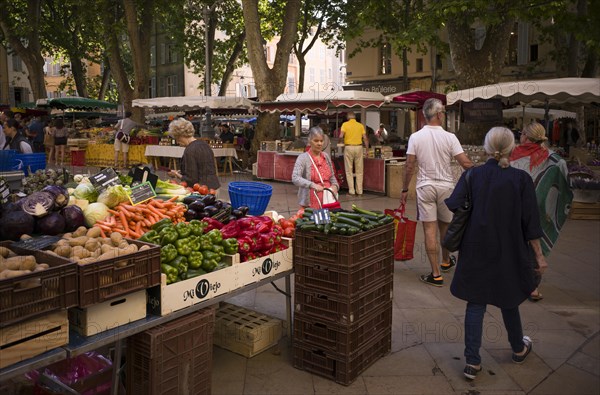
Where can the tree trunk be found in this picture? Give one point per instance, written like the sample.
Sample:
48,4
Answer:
78,70
230,67
477,67
105,82
115,61
590,69
270,82
301,71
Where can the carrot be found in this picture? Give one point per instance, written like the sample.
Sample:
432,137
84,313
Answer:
113,212
121,231
156,212
104,227
172,199
124,221
134,235
102,234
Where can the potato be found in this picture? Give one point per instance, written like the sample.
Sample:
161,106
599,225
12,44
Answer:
5,252
61,242
31,283
116,238
96,254
64,250
130,249
25,262
114,253
68,236
78,241
106,248
106,240
41,267
80,252
93,232
86,261
25,237
13,273
144,247
123,244
92,245
81,231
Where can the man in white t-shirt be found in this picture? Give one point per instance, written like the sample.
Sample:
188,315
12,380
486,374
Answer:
432,149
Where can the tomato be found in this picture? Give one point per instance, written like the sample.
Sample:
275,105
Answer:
196,187
184,184
287,224
212,191
203,190
289,232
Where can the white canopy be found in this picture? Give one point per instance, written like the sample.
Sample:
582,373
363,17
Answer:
330,95
195,102
530,112
559,90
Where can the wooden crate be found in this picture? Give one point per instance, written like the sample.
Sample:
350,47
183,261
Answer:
245,332
585,211
266,266
33,337
110,314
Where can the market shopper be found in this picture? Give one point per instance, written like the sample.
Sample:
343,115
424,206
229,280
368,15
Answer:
198,161
354,136
432,149
313,171
49,141
60,140
550,177
124,126
15,139
500,247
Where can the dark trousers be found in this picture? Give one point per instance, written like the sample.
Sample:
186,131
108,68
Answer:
474,330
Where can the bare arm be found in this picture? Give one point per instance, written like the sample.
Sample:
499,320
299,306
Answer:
411,160
464,161
365,140
539,256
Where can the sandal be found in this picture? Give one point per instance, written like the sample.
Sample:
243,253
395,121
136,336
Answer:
528,346
470,371
536,297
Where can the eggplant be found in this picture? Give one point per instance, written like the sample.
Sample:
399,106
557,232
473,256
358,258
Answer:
197,206
218,204
190,214
244,209
226,205
232,217
208,199
211,210
202,214
191,199
237,213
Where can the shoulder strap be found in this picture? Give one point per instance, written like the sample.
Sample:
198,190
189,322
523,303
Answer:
316,168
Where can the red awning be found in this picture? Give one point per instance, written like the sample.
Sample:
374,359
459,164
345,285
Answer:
316,106
418,97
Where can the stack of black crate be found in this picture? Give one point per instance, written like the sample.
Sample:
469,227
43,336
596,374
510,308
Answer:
343,301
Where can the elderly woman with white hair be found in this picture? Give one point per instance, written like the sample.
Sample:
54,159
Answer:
499,249
198,160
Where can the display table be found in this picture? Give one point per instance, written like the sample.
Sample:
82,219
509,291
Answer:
173,153
79,344
103,155
279,166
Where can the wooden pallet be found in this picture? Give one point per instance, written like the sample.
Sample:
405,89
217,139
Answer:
585,211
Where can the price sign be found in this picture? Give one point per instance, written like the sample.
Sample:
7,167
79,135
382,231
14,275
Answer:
141,175
106,178
36,243
141,193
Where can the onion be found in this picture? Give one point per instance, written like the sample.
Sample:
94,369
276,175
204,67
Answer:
38,204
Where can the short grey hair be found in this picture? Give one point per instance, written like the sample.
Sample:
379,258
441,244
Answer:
431,107
181,128
350,115
499,143
315,131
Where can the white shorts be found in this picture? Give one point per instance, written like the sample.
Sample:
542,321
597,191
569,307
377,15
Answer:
430,203
119,146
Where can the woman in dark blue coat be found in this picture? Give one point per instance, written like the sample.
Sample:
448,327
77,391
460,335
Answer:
499,247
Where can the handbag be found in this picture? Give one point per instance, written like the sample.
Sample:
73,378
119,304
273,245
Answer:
459,222
406,230
123,137
330,200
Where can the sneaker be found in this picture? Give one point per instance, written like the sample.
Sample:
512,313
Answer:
445,267
470,371
429,279
519,359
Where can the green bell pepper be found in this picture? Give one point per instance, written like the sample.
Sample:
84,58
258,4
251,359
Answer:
230,246
195,273
194,243
209,264
183,246
205,242
215,236
181,263
170,271
151,236
183,229
168,253
197,227
158,226
218,249
168,235
195,260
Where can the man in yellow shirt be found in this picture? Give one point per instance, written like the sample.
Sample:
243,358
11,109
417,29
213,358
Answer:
354,136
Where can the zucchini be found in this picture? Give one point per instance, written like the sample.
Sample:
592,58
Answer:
343,231
359,210
327,228
386,220
320,227
305,224
354,216
309,227
349,221
334,229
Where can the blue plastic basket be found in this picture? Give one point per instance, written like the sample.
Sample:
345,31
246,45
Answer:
7,159
255,195
31,162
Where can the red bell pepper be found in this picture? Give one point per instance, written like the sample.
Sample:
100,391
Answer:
262,227
265,220
230,230
266,241
212,224
244,245
249,233
246,223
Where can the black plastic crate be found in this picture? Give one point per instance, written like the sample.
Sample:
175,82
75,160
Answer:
342,309
315,275
175,358
345,251
343,339
342,369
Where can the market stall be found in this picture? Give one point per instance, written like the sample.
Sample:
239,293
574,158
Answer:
155,152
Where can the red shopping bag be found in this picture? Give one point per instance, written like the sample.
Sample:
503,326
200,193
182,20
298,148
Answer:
405,235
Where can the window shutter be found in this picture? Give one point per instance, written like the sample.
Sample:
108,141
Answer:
162,53
523,43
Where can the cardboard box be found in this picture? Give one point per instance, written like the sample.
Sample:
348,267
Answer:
165,299
394,173
33,337
110,314
585,211
245,332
